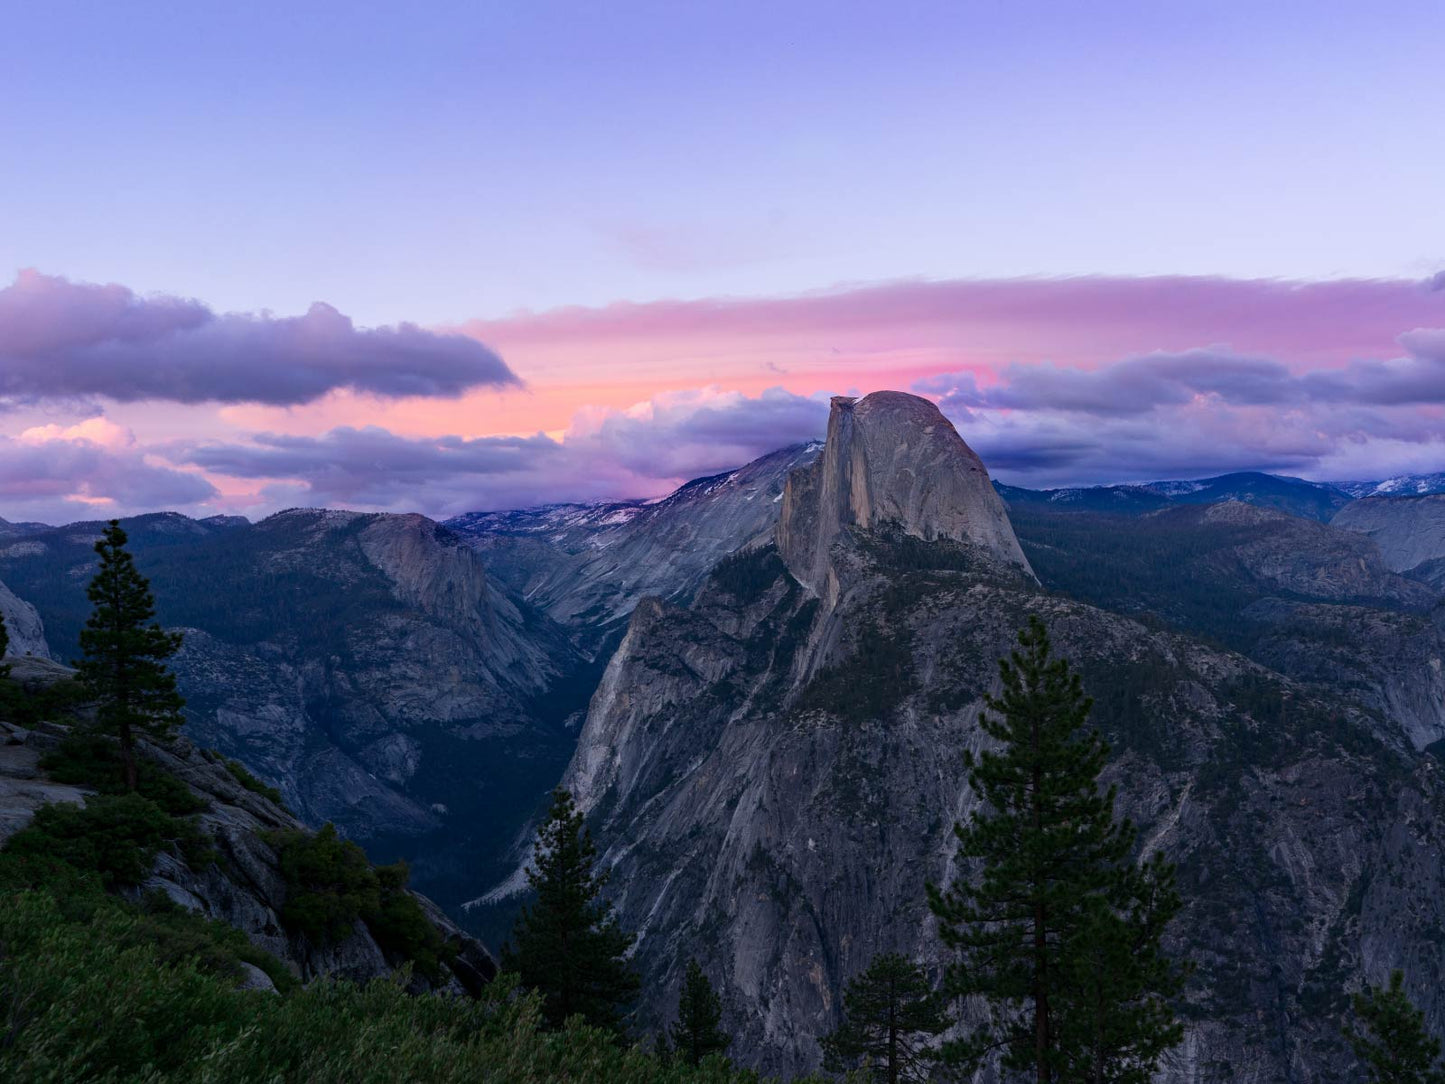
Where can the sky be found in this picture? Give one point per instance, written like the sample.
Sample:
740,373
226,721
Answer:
450,257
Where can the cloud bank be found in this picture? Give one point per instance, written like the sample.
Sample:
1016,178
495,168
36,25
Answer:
689,434
643,451
1203,411
1054,382
1086,320
60,340
91,470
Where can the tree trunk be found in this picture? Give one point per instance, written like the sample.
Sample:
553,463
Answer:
892,1034
1041,961
1041,996
127,756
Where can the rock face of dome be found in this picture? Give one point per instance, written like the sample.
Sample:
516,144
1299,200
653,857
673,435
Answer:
891,459
22,623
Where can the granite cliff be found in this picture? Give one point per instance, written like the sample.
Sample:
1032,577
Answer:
22,625
773,769
1410,532
893,461
585,566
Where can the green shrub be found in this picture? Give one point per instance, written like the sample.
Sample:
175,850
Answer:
329,883
88,759
114,835
215,947
78,892
175,933
94,1001
401,927
250,782
26,705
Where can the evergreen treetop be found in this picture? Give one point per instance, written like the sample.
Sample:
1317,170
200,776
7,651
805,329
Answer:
567,944
125,651
1392,1043
891,1014
1057,898
698,1031
1114,1013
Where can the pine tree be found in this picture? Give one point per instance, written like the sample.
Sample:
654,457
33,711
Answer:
1394,1045
1056,894
698,1030
567,944
4,647
890,1014
1113,1008
125,652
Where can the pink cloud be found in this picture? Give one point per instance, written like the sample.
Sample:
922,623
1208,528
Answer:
1086,320
645,450
58,476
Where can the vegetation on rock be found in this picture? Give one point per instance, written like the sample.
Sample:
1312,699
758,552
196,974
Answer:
93,760
93,999
697,1034
1060,934
116,836
125,653
331,885
1390,1037
250,782
892,1017
567,944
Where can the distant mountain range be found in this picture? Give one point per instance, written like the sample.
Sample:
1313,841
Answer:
1298,496
563,523
1405,485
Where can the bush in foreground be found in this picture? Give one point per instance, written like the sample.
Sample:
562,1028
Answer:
93,1000
330,884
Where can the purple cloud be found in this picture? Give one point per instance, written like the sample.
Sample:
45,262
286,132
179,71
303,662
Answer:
60,339
644,451
1140,385
55,478
703,431
373,467
1202,411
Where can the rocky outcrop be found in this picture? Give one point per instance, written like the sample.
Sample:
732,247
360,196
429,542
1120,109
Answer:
23,624
1390,664
1410,531
1310,600
891,459
1307,558
243,887
586,566
23,786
